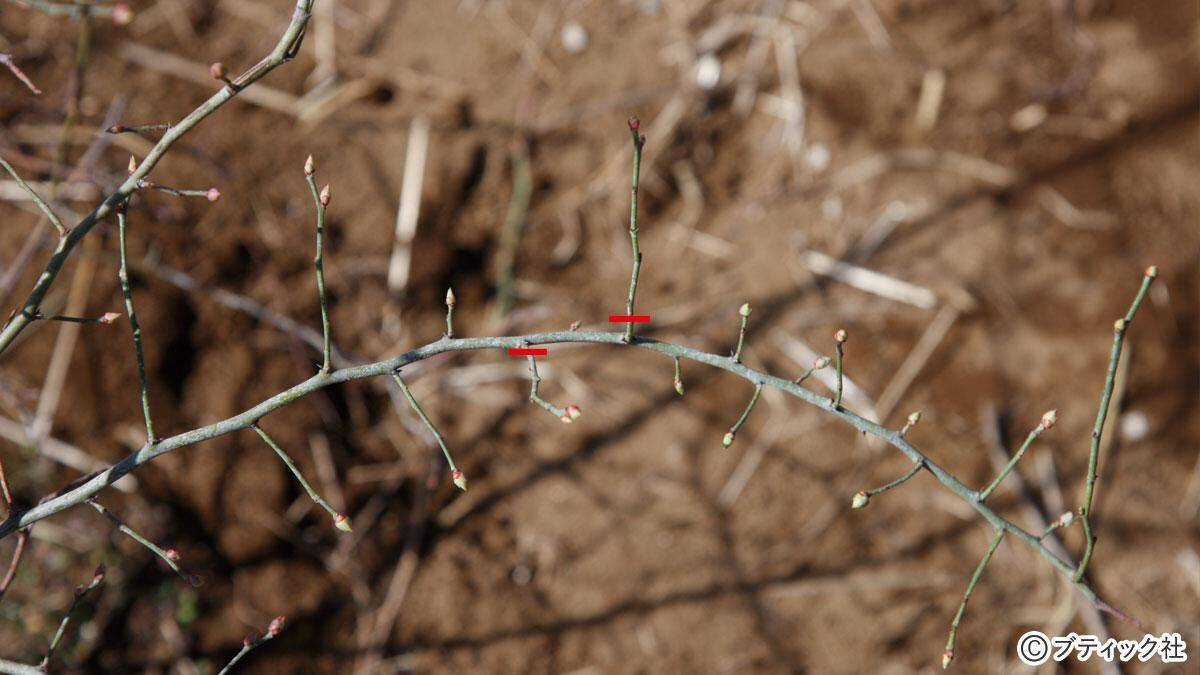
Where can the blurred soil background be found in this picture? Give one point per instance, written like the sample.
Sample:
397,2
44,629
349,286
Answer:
1017,162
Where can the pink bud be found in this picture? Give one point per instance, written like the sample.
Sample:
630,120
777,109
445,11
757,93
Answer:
634,123
1152,271
1049,419
122,15
116,129
308,166
110,317
172,555
276,626
98,575
133,164
218,71
459,479
574,412
213,194
248,640
574,325
820,362
947,658
325,196
341,522
840,336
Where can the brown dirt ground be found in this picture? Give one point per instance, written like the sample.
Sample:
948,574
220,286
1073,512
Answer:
607,546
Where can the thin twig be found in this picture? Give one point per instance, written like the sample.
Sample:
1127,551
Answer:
1119,329
638,141
80,593
127,291
340,521
41,203
1047,422
459,478
729,435
169,556
321,201
948,656
251,642
6,60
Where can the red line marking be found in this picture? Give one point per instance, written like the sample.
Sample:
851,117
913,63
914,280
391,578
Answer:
629,318
528,351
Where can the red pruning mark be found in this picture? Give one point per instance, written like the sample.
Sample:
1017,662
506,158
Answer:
629,318
528,351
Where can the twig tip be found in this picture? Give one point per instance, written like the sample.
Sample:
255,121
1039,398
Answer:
459,479
324,197
860,501
122,14
342,522
308,166
840,336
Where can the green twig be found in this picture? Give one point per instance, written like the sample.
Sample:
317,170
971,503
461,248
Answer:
252,642
80,593
321,200
127,291
744,312
817,364
1119,329
459,478
948,656
1047,422
33,195
729,436
340,521
566,415
839,339
169,556
638,141
862,498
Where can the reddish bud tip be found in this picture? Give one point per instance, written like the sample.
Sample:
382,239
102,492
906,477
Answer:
172,555
820,362
98,575
341,522
218,71
634,123
1152,271
1049,419
727,440
325,196
840,336
276,626
309,168
110,317
133,165
574,412
213,194
116,129
248,640
861,499
122,15
679,386
947,658
459,479
574,325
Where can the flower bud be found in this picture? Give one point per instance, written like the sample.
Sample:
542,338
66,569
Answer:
133,164
110,317
450,299
218,71
341,522
914,418
122,15
840,336
1119,326
1049,419
947,658
1065,519
861,499
821,362
276,626
213,194
679,386
308,166
324,196
98,575
1152,271
574,412
459,479
634,123
728,440
172,555
744,310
